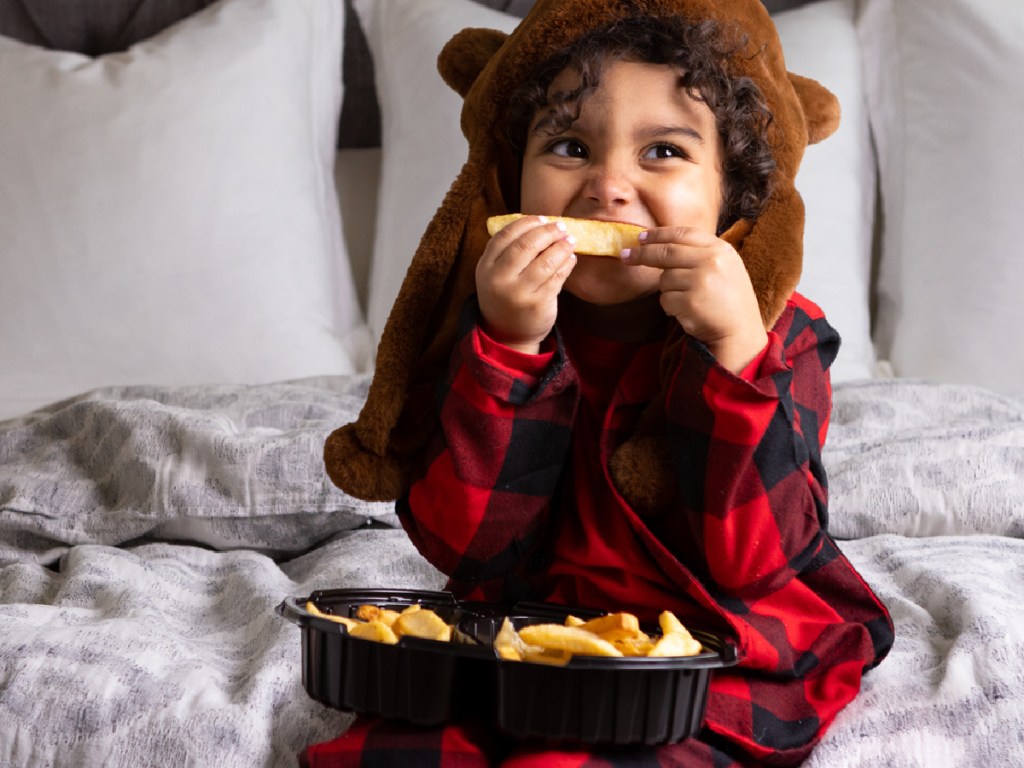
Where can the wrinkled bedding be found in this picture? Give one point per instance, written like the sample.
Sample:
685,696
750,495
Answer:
225,466
171,654
146,536
951,691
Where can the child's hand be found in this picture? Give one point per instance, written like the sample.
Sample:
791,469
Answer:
705,286
518,279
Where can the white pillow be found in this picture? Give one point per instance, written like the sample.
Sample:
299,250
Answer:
837,180
422,146
168,214
946,106
423,151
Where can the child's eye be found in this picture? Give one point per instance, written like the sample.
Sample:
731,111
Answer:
567,148
663,151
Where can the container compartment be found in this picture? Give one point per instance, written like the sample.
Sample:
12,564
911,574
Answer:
416,680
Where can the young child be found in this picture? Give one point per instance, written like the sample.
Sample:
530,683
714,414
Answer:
644,432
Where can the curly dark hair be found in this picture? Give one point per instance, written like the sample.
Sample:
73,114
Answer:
701,52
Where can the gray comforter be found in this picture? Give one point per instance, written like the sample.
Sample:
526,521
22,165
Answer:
146,536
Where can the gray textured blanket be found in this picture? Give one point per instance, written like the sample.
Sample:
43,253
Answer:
172,655
146,536
225,466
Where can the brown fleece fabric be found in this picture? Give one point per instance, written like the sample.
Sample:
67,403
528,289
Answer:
371,458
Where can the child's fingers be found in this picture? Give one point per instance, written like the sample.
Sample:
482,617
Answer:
670,247
519,243
681,235
518,279
549,270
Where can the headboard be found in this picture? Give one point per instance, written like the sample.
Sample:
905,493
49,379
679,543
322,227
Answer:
96,27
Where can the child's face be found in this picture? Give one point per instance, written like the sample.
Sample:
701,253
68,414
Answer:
642,152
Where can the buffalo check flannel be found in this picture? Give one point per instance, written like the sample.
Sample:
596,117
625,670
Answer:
744,549
375,743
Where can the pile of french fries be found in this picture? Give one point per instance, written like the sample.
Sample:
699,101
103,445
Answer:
610,635
385,625
613,635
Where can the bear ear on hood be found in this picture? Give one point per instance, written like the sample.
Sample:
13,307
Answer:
820,106
464,57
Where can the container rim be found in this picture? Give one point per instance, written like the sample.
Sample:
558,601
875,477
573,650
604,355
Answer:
720,651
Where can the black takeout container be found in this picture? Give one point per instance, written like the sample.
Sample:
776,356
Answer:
590,700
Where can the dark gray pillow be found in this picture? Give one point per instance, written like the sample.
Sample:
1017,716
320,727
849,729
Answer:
92,27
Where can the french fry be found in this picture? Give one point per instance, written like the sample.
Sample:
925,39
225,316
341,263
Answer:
547,656
375,630
593,238
311,608
614,626
670,623
425,624
611,635
675,644
641,645
507,642
676,639
376,613
572,639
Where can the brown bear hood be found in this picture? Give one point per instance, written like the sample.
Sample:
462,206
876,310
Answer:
371,458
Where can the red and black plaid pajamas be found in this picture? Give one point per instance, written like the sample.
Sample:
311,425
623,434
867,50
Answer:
501,507
375,743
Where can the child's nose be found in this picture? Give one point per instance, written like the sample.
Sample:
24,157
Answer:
609,183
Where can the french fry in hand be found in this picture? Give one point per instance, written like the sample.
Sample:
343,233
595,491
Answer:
593,238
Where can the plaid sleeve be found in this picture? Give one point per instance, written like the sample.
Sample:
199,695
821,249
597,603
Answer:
751,526
748,457
477,508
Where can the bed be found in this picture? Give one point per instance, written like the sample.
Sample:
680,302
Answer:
206,209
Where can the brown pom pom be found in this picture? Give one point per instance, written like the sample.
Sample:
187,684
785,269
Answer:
643,474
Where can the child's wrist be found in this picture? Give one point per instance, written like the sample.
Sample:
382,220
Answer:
735,354
527,346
